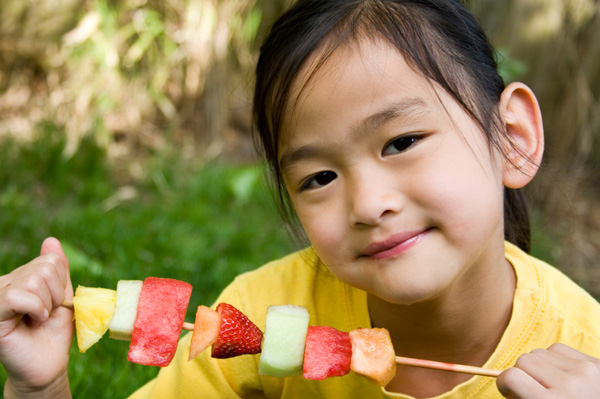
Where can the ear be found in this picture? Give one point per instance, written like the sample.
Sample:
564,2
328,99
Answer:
524,147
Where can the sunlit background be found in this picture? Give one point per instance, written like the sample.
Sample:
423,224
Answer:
125,132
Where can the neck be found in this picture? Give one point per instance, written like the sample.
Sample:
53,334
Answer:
463,325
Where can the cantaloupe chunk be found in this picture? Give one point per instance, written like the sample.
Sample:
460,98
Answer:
128,297
93,310
206,330
285,336
373,354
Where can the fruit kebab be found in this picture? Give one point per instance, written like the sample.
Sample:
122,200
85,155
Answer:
151,314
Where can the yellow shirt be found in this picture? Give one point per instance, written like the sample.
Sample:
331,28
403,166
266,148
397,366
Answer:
548,308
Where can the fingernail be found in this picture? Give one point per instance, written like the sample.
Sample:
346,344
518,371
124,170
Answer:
45,315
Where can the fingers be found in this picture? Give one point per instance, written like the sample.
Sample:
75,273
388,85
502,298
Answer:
47,278
19,302
37,287
529,378
515,383
559,371
567,351
52,245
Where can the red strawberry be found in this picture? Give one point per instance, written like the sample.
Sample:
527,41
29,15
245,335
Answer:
237,334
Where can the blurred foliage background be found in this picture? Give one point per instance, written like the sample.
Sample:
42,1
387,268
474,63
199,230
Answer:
553,46
125,131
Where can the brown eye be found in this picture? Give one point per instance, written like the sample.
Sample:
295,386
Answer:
400,144
319,179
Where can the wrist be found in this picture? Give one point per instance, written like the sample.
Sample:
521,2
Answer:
57,389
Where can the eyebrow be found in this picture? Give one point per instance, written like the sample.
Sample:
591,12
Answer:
404,109
399,111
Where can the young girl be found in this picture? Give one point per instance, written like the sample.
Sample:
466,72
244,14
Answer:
392,138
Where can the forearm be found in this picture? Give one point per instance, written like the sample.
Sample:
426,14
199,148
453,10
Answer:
58,389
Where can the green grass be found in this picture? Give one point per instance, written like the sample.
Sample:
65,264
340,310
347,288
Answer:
203,225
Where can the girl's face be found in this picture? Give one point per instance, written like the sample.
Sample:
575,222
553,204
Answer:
395,186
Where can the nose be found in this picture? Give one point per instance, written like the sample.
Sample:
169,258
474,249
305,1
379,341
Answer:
372,197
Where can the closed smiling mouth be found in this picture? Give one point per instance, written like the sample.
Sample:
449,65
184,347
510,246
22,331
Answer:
393,245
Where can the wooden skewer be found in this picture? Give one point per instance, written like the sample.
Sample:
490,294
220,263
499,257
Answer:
457,368
68,303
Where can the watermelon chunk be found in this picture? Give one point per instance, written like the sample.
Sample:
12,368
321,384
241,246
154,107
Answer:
161,312
373,355
328,353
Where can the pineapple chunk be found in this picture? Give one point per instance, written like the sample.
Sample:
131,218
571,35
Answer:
94,308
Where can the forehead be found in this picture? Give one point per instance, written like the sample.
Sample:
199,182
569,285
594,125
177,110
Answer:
355,57
360,75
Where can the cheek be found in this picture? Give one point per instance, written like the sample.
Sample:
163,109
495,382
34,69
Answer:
464,191
322,225
327,234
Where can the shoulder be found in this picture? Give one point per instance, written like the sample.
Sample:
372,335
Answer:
568,313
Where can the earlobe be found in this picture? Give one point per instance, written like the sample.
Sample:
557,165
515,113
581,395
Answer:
524,147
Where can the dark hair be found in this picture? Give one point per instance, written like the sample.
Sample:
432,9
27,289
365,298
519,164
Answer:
438,38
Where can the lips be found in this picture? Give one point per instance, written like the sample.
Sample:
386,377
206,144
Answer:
394,245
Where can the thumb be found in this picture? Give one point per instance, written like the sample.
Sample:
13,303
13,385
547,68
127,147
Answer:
51,245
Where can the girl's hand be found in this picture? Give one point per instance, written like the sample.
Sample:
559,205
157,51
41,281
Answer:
35,331
558,372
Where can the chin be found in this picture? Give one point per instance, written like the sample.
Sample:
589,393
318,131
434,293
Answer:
404,300
406,296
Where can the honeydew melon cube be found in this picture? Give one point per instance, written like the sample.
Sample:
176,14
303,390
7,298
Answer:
285,337
128,298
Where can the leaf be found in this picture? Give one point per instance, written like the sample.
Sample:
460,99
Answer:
252,24
79,261
243,183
